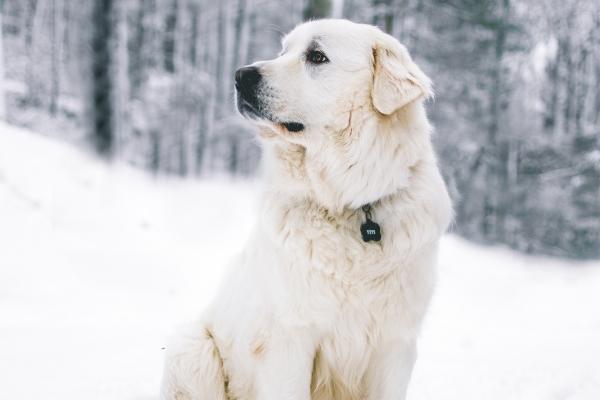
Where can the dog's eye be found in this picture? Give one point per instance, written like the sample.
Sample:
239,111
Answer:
316,57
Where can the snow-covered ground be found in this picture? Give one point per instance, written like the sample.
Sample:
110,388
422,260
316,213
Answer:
99,263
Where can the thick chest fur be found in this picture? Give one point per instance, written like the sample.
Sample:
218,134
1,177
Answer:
344,351
353,291
360,324
332,244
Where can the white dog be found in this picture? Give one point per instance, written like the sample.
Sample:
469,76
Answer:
326,300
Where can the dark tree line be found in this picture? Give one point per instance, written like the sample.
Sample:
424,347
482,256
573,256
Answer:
517,110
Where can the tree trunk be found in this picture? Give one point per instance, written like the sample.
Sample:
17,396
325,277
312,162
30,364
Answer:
67,17
316,9
220,61
252,27
56,51
581,91
155,145
169,37
194,18
551,100
241,33
570,88
384,15
213,64
226,81
122,123
233,155
102,107
182,38
596,106
496,154
596,110
207,113
30,23
136,62
337,9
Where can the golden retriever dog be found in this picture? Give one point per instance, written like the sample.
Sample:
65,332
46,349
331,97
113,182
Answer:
326,299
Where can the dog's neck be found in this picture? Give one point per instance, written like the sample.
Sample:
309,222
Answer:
347,170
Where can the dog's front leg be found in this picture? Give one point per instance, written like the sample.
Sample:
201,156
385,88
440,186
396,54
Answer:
390,370
284,367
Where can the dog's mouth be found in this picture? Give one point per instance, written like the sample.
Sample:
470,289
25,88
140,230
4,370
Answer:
293,126
251,109
251,112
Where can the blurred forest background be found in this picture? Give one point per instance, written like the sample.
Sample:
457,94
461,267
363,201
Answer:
517,110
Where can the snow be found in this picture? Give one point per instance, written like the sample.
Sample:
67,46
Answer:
100,262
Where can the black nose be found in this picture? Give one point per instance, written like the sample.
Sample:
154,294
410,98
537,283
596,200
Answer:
246,79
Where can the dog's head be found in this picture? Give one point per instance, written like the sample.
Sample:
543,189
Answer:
334,90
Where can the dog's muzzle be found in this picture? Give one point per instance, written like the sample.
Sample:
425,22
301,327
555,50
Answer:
247,85
247,80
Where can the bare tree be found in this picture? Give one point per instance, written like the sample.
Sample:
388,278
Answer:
315,9
56,52
102,85
169,36
119,75
384,14
31,16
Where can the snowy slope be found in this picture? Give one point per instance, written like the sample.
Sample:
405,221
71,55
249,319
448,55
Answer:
99,262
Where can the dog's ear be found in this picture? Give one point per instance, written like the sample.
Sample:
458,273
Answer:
397,80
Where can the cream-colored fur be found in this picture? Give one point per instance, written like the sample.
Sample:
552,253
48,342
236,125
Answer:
309,310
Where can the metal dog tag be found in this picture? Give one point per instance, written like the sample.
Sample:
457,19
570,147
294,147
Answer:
370,231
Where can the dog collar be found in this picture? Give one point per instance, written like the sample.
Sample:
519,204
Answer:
370,230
